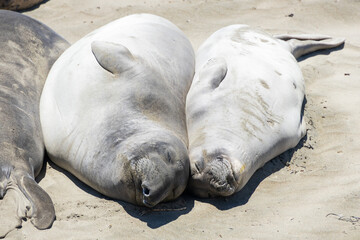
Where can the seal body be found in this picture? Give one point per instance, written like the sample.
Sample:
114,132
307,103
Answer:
113,109
18,4
244,106
29,49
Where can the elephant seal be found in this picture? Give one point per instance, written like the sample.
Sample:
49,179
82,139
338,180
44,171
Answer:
113,109
28,50
244,106
17,5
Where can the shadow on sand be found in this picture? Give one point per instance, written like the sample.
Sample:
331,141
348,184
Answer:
33,7
163,213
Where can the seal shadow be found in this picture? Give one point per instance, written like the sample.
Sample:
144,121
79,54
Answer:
33,7
160,215
42,172
321,52
163,213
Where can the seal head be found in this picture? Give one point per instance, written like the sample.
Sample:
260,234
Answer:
159,169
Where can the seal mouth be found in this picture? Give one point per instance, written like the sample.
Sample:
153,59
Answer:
146,195
222,188
147,204
143,196
215,179
154,191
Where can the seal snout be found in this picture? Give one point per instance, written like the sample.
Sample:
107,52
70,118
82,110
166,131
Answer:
147,195
221,176
154,183
213,176
151,195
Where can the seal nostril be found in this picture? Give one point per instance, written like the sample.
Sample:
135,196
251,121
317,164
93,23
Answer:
146,191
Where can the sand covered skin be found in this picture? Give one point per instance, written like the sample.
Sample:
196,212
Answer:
309,193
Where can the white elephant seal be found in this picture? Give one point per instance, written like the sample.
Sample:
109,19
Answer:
18,4
113,109
244,106
28,50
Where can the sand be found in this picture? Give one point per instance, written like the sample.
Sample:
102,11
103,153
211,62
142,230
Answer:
311,192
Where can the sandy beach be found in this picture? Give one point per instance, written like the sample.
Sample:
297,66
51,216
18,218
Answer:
310,192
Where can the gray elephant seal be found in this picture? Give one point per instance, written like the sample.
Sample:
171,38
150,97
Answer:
28,50
113,109
244,106
18,4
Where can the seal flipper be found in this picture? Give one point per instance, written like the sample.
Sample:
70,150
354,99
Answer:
113,57
307,43
23,198
42,212
214,72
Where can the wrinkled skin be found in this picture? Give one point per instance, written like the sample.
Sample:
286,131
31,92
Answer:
214,175
29,49
117,100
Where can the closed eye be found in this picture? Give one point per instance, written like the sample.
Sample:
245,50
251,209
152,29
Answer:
168,157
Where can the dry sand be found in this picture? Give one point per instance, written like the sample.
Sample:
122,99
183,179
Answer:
312,192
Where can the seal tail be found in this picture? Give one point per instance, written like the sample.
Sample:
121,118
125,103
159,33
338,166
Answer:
306,43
